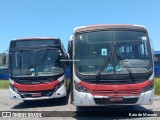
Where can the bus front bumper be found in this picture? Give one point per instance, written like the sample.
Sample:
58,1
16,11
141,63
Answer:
61,92
87,99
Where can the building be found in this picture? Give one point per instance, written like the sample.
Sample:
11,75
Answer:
157,63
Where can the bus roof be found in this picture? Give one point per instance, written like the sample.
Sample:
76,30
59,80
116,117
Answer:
36,41
108,26
35,38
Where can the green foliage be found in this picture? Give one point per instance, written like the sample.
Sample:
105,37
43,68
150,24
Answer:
4,84
67,84
157,86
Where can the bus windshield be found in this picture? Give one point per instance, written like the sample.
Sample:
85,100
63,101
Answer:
41,62
119,48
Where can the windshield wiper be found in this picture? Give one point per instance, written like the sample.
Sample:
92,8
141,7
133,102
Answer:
105,62
129,69
126,65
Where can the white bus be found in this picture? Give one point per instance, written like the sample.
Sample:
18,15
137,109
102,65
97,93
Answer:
111,65
36,69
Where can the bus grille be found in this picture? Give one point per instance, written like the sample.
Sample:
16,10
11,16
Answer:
46,93
118,93
104,101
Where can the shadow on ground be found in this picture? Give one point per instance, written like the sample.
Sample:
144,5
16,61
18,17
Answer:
112,112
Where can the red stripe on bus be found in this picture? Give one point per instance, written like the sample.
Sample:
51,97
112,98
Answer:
36,87
115,90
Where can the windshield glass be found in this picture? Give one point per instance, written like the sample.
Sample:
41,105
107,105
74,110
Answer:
44,62
131,47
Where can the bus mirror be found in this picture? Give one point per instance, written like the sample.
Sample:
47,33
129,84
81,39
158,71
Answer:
3,59
60,54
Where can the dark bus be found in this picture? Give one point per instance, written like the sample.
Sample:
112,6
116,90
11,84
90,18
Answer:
37,69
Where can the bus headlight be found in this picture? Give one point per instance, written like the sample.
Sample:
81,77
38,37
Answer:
59,85
148,87
14,88
81,88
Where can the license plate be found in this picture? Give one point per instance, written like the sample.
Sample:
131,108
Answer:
36,95
115,99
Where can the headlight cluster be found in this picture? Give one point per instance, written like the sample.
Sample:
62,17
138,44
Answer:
81,88
14,88
58,85
148,87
